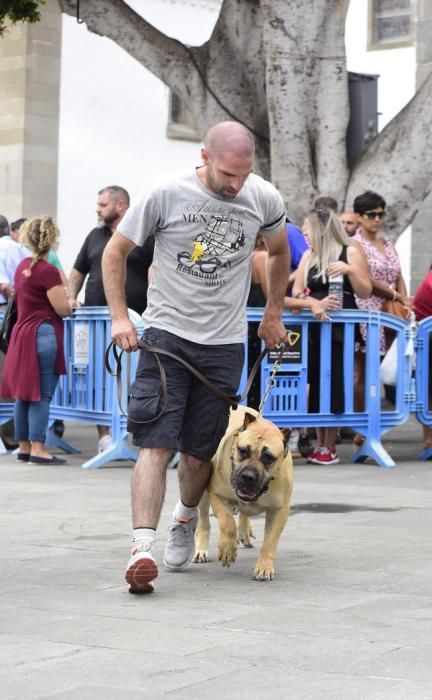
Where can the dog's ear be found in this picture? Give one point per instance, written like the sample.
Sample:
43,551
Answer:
286,432
248,419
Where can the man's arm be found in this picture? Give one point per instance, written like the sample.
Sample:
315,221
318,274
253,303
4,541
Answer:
271,328
76,281
114,279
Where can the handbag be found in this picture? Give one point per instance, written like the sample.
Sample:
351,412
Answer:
396,308
9,320
388,370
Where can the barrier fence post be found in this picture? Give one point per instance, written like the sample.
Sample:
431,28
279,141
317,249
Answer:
423,379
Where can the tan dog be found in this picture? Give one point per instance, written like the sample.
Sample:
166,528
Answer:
253,472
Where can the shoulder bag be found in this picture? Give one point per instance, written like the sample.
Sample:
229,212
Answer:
396,308
9,320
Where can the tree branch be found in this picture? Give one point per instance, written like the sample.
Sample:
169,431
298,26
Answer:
398,163
165,57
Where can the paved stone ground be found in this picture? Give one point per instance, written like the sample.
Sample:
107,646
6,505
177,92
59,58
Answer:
348,616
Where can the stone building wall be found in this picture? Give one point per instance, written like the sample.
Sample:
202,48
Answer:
29,115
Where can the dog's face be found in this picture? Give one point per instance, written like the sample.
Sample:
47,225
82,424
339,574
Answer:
258,450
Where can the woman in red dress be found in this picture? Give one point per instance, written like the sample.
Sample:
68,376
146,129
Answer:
35,356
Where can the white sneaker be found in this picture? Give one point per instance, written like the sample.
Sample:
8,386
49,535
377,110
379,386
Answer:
104,443
180,546
141,570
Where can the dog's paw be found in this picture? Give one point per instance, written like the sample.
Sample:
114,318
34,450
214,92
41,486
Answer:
264,571
200,557
227,552
245,536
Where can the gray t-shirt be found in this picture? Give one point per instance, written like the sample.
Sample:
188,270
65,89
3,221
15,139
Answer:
202,257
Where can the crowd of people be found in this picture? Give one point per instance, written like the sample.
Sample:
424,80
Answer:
17,245
208,242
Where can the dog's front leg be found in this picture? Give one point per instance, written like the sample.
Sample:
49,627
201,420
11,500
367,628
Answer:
274,524
227,545
202,535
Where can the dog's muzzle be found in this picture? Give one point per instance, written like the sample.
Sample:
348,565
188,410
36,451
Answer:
247,484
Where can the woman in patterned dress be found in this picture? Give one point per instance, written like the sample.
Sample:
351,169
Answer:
385,271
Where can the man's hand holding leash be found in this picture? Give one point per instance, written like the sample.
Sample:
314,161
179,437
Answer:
123,333
271,328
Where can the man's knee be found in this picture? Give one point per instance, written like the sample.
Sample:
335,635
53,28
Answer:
155,456
188,461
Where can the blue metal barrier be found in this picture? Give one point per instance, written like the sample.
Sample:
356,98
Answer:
423,358
88,393
287,402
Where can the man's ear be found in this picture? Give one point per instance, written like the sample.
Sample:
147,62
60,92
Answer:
205,156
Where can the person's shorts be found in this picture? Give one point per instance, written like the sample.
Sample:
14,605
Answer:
195,419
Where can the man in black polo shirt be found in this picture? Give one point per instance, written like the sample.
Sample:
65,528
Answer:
111,205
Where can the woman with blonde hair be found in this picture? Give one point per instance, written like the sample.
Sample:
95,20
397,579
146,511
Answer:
331,255
35,356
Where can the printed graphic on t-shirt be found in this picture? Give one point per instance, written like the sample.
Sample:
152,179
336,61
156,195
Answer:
212,249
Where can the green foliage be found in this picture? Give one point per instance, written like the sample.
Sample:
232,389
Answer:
19,11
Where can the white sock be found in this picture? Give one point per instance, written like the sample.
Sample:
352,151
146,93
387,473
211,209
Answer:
182,512
144,536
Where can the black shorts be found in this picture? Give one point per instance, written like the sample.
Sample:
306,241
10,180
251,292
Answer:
194,419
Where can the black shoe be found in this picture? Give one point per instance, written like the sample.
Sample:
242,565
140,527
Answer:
305,445
47,460
59,428
9,443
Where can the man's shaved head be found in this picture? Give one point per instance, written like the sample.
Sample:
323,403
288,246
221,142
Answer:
228,157
230,137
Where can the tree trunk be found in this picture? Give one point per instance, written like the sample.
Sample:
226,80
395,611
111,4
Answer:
279,67
307,99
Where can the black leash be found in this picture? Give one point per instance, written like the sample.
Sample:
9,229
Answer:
233,402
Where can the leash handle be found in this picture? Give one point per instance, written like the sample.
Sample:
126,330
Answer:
118,375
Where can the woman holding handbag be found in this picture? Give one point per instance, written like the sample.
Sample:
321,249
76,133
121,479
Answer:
389,291
35,357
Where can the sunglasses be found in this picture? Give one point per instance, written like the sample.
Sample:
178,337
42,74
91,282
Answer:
375,214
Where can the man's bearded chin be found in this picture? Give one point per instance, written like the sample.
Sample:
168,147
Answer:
109,219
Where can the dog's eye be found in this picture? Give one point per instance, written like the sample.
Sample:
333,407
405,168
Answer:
244,452
267,458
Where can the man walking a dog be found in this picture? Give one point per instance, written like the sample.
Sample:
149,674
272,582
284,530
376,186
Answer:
205,224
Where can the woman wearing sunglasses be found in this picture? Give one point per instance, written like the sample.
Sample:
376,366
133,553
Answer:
385,271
